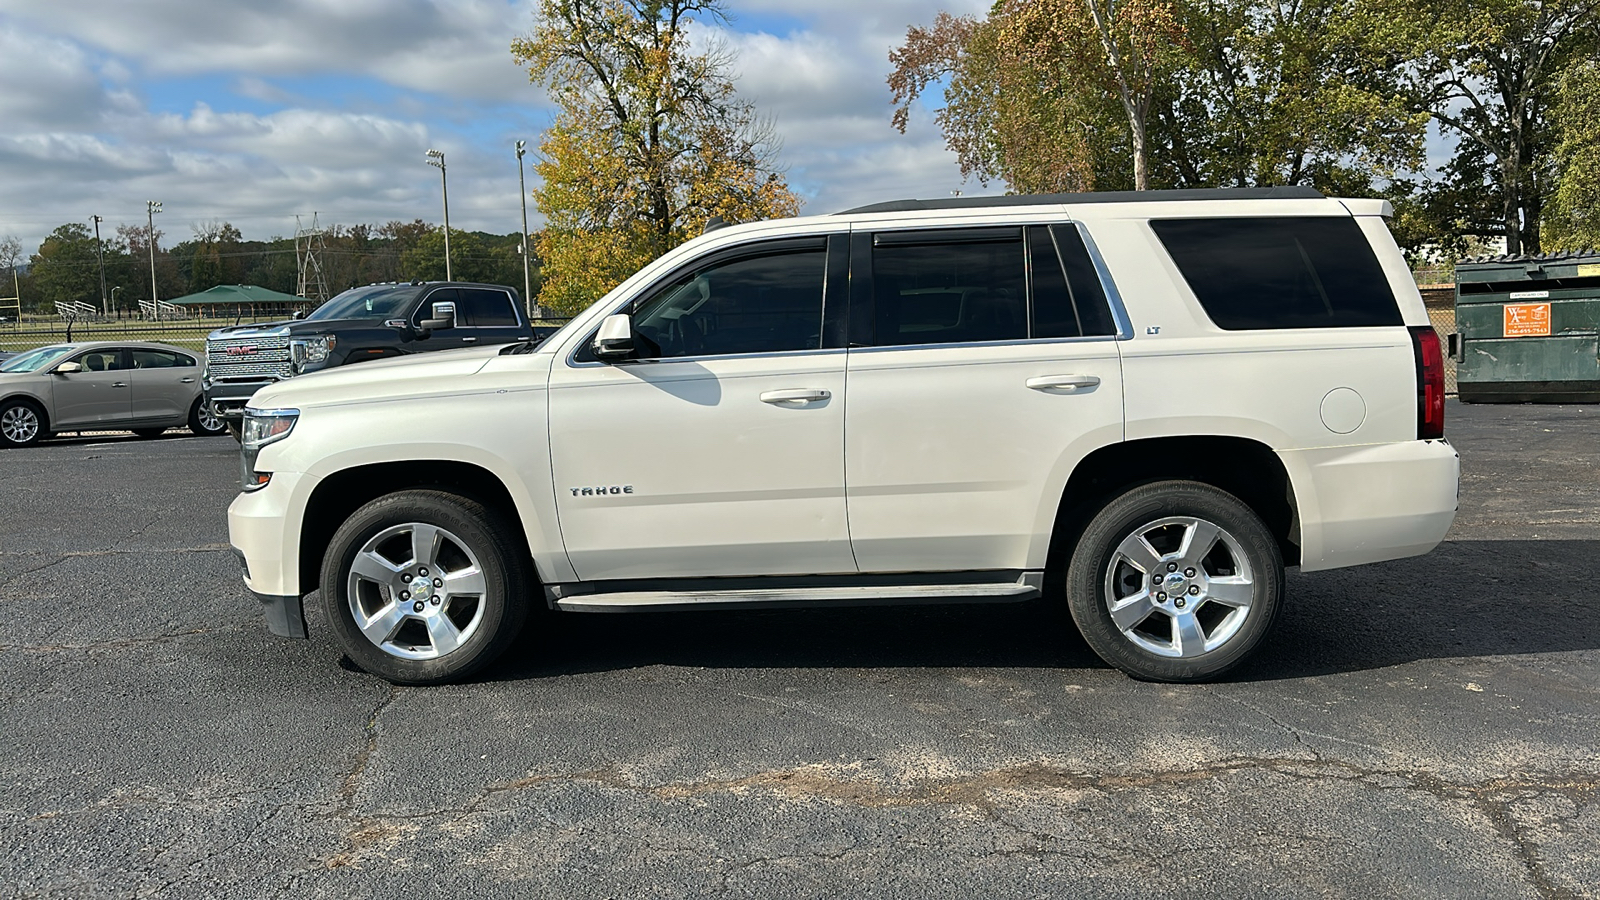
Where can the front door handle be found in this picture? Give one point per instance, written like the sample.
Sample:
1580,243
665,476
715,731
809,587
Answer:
186,380
1063,382
118,384
794,395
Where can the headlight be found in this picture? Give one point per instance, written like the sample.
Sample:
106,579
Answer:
261,427
305,352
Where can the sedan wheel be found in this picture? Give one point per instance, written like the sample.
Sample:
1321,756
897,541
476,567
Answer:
20,424
203,421
1175,581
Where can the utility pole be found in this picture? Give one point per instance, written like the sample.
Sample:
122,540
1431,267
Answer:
522,184
151,207
436,159
100,251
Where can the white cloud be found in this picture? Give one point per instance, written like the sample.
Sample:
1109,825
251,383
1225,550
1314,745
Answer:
460,48
248,145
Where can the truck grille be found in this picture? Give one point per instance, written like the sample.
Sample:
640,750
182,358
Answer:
252,358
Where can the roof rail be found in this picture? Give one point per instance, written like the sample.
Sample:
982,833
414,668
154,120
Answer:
1287,192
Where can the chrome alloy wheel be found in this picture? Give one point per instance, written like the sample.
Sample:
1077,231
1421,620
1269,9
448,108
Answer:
19,424
1179,587
416,591
209,420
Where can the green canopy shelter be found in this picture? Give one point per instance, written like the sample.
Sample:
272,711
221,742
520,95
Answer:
228,299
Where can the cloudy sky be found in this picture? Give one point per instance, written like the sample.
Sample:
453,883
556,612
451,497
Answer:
252,112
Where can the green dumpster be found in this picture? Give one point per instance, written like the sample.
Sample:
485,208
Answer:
1528,329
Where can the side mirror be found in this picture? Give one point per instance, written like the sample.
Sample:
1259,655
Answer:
614,340
67,368
444,316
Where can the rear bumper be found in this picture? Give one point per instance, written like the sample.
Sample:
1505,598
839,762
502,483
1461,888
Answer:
1372,503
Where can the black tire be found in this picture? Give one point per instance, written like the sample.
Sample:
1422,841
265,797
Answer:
22,423
203,424
1154,615
148,433
234,429
477,626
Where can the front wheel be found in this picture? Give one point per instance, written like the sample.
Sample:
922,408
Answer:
203,421
21,424
1175,581
422,587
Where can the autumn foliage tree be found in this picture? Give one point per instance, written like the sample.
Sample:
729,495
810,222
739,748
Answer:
1107,94
649,143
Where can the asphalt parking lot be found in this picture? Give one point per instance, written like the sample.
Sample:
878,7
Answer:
1422,728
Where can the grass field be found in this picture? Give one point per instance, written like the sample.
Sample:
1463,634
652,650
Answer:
39,331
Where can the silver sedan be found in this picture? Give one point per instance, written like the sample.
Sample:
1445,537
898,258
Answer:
101,386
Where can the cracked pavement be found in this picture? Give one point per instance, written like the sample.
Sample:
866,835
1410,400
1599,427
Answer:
1421,728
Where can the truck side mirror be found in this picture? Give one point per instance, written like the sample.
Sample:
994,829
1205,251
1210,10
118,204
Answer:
614,340
444,316
67,368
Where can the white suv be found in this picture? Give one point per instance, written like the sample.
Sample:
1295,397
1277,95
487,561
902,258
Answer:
1142,405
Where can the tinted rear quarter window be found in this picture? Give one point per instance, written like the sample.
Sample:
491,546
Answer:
481,308
1281,272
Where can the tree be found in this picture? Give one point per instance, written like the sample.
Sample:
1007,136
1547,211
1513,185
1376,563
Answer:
10,255
649,144
66,269
1574,220
1488,72
1060,94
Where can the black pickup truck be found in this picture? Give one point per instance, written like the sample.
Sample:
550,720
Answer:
361,324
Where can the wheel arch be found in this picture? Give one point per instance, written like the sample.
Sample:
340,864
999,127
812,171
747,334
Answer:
1245,468
39,406
338,495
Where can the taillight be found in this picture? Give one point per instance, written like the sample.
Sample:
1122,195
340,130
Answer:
1430,382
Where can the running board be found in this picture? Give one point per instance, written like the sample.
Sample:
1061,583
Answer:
862,595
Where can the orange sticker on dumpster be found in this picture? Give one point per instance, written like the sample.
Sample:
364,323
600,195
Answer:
1527,320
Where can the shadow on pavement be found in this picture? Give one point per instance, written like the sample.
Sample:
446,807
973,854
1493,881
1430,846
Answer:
1466,599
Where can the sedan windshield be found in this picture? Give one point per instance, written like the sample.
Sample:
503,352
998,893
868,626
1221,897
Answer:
34,360
378,301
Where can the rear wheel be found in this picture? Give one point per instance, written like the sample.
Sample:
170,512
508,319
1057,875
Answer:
422,587
21,423
203,421
1175,581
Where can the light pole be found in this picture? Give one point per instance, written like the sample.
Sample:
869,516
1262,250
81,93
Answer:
100,251
151,207
522,184
436,158
114,299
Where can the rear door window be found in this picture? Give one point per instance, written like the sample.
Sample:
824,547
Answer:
483,308
1283,272
944,287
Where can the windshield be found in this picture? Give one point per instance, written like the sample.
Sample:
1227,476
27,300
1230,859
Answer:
378,301
34,360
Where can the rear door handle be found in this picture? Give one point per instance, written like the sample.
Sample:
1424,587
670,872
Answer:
1063,382
118,384
794,395
468,340
186,380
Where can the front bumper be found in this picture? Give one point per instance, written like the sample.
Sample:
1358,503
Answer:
229,398
264,529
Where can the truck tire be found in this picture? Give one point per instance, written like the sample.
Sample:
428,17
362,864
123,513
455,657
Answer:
424,586
235,430
1175,581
